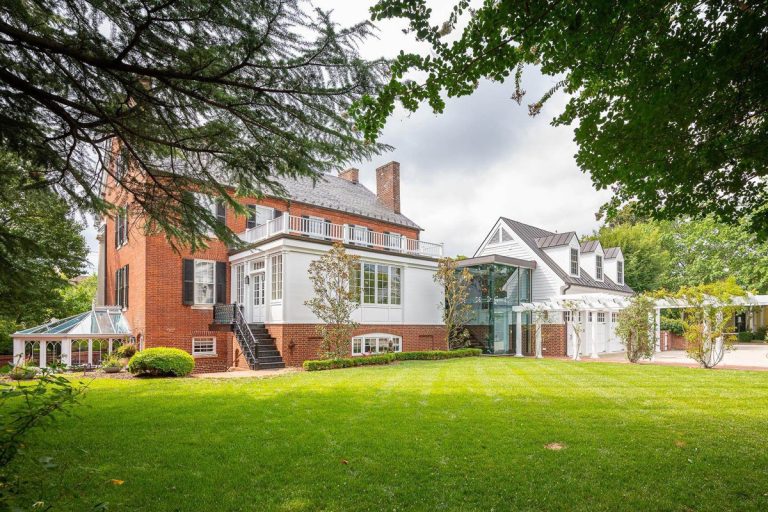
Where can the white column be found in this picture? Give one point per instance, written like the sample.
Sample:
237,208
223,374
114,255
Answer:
90,352
538,339
519,335
18,352
608,330
66,352
593,335
657,330
43,359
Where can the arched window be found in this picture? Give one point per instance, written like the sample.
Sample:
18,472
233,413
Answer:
79,353
99,350
53,353
376,343
32,353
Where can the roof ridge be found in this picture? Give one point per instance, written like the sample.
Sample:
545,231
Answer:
507,219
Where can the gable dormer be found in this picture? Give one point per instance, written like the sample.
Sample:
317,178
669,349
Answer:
614,264
563,249
593,259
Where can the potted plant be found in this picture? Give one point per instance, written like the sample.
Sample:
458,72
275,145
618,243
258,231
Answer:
125,352
112,365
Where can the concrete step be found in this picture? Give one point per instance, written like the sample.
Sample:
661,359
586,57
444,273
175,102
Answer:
271,366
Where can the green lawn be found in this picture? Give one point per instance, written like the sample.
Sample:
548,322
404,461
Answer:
444,435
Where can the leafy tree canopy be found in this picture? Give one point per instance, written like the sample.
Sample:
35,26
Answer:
668,99
196,92
685,253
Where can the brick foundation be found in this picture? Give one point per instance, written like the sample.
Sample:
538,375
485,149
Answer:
300,342
554,340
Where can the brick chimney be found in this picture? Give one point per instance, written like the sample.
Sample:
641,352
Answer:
351,175
388,185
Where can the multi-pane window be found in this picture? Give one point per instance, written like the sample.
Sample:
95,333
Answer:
376,343
574,262
601,318
240,283
258,215
205,290
121,228
614,317
589,317
215,206
598,267
204,346
620,272
381,284
277,276
121,287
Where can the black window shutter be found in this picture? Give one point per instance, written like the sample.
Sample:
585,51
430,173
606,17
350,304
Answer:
221,282
221,212
117,287
188,281
125,227
251,222
327,229
125,279
117,231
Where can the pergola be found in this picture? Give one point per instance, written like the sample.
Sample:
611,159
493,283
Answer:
603,303
80,340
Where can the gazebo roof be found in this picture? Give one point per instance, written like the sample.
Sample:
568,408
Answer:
100,322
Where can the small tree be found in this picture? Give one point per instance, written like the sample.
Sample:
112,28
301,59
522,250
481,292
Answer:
577,328
336,284
637,328
456,311
707,317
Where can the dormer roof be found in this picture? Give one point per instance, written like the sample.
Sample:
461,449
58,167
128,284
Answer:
556,240
612,252
590,246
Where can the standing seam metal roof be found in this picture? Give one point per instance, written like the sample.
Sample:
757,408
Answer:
530,234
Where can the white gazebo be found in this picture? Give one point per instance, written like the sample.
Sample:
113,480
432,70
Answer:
80,340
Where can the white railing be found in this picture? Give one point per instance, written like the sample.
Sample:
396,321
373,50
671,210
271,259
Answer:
321,230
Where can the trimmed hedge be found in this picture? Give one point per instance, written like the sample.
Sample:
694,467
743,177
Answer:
432,355
162,362
126,351
348,362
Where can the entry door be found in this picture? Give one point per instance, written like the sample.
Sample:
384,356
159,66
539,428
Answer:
257,297
500,332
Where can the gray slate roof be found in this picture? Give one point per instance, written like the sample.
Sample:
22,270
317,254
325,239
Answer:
529,234
555,240
612,252
339,194
589,246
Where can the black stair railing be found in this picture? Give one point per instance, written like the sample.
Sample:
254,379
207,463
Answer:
224,313
246,339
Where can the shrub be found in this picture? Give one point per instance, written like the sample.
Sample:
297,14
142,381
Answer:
126,351
437,354
22,372
673,325
745,336
760,334
348,362
162,362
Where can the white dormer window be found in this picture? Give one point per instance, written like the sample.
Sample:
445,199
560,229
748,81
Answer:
598,267
574,262
620,272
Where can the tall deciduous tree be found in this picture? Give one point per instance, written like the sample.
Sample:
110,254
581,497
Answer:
456,310
669,99
198,93
336,285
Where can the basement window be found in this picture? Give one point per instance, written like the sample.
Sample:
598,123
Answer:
376,344
204,346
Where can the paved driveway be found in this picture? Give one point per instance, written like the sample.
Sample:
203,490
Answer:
744,355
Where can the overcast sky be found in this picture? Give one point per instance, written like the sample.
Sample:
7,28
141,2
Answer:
483,158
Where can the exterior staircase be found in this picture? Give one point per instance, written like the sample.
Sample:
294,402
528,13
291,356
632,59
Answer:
267,355
257,345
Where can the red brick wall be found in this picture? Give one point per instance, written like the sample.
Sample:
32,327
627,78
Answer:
554,340
299,342
672,341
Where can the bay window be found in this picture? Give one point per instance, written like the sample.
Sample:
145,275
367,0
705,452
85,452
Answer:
277,276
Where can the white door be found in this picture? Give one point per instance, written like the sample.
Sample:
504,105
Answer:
256,297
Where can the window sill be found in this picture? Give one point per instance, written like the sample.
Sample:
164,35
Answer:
204,355
202,306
